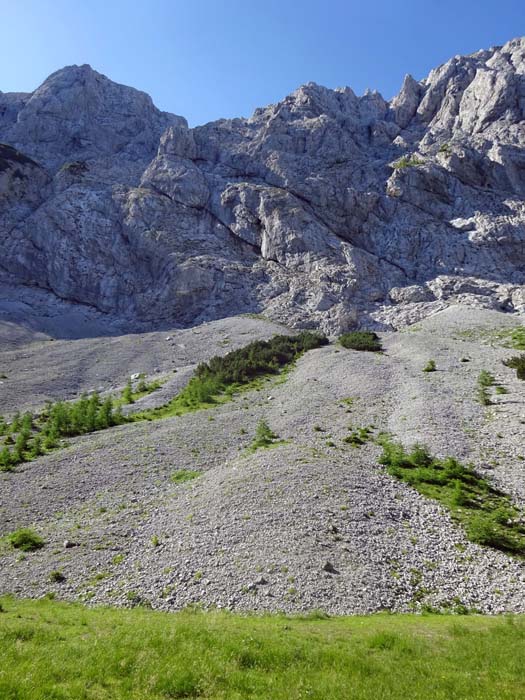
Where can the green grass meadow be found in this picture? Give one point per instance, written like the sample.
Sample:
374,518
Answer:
59,651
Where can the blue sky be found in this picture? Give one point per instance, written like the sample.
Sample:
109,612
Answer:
207,60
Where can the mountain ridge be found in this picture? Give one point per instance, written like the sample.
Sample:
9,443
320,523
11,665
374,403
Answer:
323,210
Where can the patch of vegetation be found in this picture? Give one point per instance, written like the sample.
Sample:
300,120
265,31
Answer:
430,366
488,516
511,338
131,393
24,539
445,148
507,337
361,340
264,437
348,402
518,363
139,653
31,436
182,475
57,577
358,437
97,578
407,162
483,396
218,379
485,380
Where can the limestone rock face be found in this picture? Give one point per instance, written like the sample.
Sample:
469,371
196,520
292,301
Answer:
324,210
78,114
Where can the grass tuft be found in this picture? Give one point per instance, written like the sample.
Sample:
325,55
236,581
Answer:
430,366
182,475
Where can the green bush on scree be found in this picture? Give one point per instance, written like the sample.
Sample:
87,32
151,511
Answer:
361,340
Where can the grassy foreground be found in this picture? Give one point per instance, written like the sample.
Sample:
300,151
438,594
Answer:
57,651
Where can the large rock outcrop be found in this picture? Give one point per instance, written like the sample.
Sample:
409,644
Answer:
326,209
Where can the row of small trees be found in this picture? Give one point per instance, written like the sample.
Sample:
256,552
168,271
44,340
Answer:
28,437
262,357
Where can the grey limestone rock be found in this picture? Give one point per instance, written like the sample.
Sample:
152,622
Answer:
326,209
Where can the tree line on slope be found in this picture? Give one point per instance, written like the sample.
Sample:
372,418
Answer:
27,437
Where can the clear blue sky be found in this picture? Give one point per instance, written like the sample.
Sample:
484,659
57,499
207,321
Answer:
207,59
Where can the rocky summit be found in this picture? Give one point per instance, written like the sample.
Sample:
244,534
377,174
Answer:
324,210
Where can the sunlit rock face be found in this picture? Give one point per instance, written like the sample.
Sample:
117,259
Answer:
325,210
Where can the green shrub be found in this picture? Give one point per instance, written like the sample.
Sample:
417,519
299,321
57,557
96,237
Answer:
67,419
127,393
430,366
406,162
36,447
141,385
483,396
361,340
57,577
260,357
264,436
486,378
358,437
15,423
459,496
518,363
6,460
25,539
